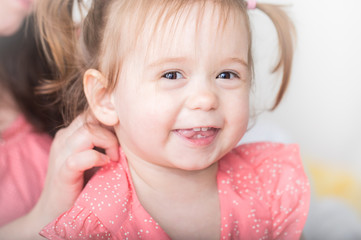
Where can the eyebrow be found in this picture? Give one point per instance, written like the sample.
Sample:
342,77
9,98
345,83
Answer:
167,60
183,59
238,60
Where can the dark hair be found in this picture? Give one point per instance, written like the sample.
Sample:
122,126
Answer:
22,66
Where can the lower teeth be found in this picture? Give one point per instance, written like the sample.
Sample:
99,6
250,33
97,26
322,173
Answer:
198,136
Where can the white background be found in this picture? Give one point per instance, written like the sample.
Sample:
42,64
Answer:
322,107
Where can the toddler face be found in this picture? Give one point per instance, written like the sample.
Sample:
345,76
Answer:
182,97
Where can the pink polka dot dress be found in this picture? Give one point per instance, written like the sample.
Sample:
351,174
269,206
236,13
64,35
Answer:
263,192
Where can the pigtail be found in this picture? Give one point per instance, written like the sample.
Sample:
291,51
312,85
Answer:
70,48
286,32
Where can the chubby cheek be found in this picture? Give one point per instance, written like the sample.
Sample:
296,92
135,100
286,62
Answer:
237,119
143,118
158,118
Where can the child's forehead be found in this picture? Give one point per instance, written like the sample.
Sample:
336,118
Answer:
155,19
165,27
150,25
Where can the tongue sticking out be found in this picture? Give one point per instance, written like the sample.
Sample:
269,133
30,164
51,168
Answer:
195,133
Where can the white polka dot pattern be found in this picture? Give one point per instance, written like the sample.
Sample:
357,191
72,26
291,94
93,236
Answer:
263,192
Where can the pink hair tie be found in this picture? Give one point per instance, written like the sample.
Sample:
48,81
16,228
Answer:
251,4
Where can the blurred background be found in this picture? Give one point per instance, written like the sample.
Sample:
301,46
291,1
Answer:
322,107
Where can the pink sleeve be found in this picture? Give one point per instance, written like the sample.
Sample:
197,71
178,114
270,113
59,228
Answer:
77,223
287,190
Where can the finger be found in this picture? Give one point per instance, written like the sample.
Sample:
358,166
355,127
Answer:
74,167
91,136
63,134
110,142
81,120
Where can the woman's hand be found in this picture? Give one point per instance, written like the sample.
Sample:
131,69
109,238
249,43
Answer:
72,152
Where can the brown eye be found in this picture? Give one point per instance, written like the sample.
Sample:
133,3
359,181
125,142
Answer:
172,75
227,75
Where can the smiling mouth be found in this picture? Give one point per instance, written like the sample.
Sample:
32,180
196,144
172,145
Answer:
198,132
198,136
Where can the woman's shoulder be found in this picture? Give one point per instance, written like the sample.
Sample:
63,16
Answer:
21,130
23,154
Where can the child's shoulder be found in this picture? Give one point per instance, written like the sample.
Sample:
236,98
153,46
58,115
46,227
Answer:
274,165
104,195
262,155
272,176
107,208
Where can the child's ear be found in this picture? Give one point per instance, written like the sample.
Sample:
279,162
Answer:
100,101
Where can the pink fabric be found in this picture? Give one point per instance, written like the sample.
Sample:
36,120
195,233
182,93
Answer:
263,191
23,165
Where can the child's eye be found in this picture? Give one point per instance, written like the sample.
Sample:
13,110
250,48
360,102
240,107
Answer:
227,75
172,75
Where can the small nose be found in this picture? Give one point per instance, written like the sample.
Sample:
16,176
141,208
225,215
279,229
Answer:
203,98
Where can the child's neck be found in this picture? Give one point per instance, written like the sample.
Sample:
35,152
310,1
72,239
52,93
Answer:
184,203
170,181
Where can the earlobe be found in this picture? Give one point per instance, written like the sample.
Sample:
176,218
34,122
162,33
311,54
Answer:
99,99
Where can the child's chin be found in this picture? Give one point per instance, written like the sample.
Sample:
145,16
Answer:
194,167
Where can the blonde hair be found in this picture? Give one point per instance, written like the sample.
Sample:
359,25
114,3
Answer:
100,37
